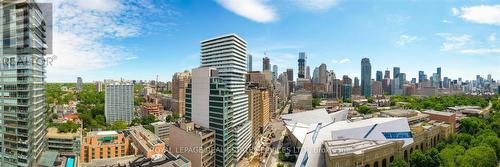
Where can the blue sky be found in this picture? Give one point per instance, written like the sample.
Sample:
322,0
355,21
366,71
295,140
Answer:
139,39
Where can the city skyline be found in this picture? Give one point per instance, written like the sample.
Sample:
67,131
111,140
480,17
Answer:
410,38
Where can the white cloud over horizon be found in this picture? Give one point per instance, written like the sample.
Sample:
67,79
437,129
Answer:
81,27
453,42
406,39
482,14
343,61
481,51
255,10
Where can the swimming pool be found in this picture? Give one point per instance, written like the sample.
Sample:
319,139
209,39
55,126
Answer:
70,162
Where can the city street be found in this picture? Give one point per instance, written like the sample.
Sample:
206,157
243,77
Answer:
279,131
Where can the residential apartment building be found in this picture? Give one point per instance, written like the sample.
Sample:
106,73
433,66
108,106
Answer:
64,143
226,54
119,102
258,110
22,47
162,130
196,143
152,109
146,142
180,80
103,145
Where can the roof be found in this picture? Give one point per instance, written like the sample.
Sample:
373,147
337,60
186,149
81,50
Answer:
438,112
382,129
48,158
352,146
105,133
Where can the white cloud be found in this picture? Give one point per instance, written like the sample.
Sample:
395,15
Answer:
398,19
255,10
131,58
492,37
343,61
446,21
406,39
100,5
453,42
481,51
483,14
80,29
316,4
455,11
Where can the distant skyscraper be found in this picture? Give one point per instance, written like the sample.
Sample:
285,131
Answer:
99,86
402,80
356,81
346,87
315,77
249,62
387,74
79,83
439,79
23,108
229,120
289,73
421,76
435,80
413,80
379,76
302,65
275,72
308,72
119,101
323,73
366,79
446,82
395,72
266,64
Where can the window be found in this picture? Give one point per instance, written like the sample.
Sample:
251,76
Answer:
397,135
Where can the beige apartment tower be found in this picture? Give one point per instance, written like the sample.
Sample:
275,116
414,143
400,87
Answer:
180,81
258,110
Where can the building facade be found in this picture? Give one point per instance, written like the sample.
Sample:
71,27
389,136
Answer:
22,50
146,142
302,65
162,130
366,77
119,102
180,81
196,143
103,145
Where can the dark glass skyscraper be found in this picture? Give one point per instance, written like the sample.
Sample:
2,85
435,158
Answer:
387,74
302,65
395,72
379,76
421,76
266,64
366,79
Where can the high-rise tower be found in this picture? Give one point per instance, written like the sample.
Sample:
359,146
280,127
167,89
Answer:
302,65
228,118
266,64
22,49
366,79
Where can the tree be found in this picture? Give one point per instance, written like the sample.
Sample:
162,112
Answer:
148,119
316,102
365,109
472,125
418,159
448,156
483,156
280,165
370,99
398,162
119,125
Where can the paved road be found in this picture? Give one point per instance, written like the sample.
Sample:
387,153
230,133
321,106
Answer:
279,131
487,109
